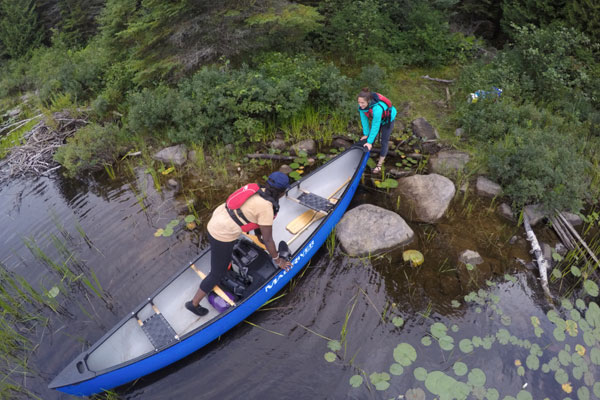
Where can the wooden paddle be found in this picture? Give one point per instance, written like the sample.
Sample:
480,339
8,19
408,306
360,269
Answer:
310,216
254,238
217,289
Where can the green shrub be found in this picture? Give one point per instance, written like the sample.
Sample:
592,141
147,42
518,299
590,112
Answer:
90,149
221,104
540,166
19,28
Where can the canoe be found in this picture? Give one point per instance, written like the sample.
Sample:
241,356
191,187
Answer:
161,331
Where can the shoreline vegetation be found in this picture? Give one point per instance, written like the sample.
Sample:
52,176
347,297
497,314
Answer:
111,84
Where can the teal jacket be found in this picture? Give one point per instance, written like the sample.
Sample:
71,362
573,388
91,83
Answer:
371,128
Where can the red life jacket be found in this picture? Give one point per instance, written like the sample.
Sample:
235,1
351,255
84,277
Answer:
386,116
239,197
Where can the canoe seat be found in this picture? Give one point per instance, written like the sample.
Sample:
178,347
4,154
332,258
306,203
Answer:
315,202
159,331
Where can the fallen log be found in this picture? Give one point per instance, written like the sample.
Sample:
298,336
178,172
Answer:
270,156
572,230
537,252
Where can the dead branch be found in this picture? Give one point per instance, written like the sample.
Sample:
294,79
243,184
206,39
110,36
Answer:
35,156
438,80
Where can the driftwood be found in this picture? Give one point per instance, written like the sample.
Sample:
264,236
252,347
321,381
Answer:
35,156
537,251
574,233
271,156
438,80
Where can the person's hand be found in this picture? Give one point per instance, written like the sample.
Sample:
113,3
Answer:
283,264
368,146
363,138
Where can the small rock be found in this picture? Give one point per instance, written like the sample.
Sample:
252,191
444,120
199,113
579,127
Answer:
423,129
278,144
459,132
172,183
308,145
176,155
573,219
341,143
448,163
505,211
399,173
286,169
470,257
487,188
535,213
424,198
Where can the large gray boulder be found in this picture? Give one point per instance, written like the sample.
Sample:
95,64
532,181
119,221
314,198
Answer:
368,229
535,213
425,198
423,129
176,155
448,163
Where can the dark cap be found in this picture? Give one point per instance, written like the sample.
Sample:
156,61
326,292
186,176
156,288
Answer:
278,180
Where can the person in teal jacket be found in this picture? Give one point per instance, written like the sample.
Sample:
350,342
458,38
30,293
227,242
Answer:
377,115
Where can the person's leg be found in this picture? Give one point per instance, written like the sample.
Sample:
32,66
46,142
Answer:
384,133
220,257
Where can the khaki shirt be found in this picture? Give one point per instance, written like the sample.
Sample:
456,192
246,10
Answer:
256,209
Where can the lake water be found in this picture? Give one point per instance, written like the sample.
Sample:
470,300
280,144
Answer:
348,328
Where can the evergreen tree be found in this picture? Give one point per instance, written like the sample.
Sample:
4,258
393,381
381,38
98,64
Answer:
19,29
585,16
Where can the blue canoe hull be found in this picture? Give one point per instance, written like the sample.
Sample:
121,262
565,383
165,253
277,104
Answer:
195,341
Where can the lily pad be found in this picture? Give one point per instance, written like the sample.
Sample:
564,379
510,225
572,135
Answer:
398,321
476,377
580,304
330,357
595,355
380,380
356,381
503,336
460,368
426,341
420,374
524,395
396,369
438,330
455,304
405,354
173,223
590,287
533,363
561,376
167,232
158,232
415,394
465,345
415,257
334,345
583,393
492,394
189,218
446,343
52,293
571,327
580,350
559,334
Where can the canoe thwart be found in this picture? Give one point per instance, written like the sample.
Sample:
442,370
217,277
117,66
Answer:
307,217
159,331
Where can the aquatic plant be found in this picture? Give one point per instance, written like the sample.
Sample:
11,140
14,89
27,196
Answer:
571,365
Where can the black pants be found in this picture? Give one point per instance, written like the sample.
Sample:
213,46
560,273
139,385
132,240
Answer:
220,257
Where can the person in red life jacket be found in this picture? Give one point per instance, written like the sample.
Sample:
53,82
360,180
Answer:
377,114
226,225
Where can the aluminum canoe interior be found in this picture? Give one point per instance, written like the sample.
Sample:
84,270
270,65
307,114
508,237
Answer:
128,341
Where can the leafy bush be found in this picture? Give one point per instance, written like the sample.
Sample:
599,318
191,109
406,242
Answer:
91,148
425,39
219,104
19,29
540,166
